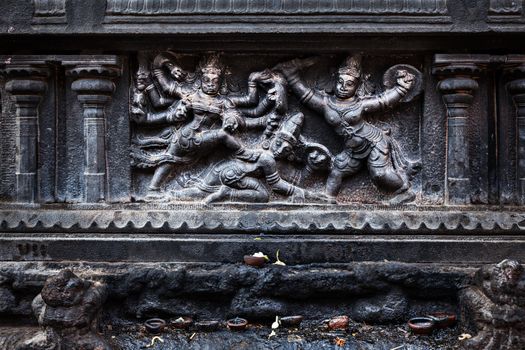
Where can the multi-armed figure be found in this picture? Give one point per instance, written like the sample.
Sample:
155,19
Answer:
198,110
364,143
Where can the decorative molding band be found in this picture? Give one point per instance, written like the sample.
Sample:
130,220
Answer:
274,7
49,12
506,7
253,219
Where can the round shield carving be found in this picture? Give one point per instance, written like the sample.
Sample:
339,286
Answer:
389,80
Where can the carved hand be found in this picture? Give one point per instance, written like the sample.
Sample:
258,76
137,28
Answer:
137,113
230,124
260,76
181,111
405,79
287,68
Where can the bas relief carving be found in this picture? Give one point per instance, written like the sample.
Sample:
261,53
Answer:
219,142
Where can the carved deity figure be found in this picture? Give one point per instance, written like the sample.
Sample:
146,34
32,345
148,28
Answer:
237,180
67,308
198,111
496,306
364,143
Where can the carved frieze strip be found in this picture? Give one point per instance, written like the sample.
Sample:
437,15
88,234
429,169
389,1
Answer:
181,220
274,7
10,61
505,7
49,11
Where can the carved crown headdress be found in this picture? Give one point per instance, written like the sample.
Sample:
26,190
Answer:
351,66
212,64
291,129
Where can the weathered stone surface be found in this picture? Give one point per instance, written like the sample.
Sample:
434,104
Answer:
349,136
220,290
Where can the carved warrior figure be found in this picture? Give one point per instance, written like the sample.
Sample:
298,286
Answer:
67,308
496,306
364,143
198,110
236,180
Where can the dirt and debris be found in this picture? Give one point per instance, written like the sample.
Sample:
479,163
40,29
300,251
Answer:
311,335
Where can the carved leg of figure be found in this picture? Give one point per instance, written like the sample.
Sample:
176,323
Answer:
190,193
389,179
333,183
344,165
222,195
159,176
245,190
235,145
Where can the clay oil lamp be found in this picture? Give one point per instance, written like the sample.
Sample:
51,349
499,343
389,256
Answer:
256,260
338,322
237,324
421,325
182,322
291,321
207,326
443,319
155,325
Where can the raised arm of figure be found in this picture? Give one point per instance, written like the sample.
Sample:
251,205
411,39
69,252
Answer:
306,95
168,86
252,97
390,97
263,107
256,123
157,100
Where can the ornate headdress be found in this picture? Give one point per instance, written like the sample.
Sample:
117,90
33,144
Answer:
212,64
291,129
351,66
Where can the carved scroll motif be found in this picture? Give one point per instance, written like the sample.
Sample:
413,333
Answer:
287,7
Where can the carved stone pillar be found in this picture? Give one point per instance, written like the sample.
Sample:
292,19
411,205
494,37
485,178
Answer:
26,83
457,87
516,88
94,87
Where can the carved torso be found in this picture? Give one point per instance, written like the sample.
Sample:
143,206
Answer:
346,117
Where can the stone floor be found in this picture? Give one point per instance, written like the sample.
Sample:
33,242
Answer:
310,336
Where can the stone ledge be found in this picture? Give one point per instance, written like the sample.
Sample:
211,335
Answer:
220,248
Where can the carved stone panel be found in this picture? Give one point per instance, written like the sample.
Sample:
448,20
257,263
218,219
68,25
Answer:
317,130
